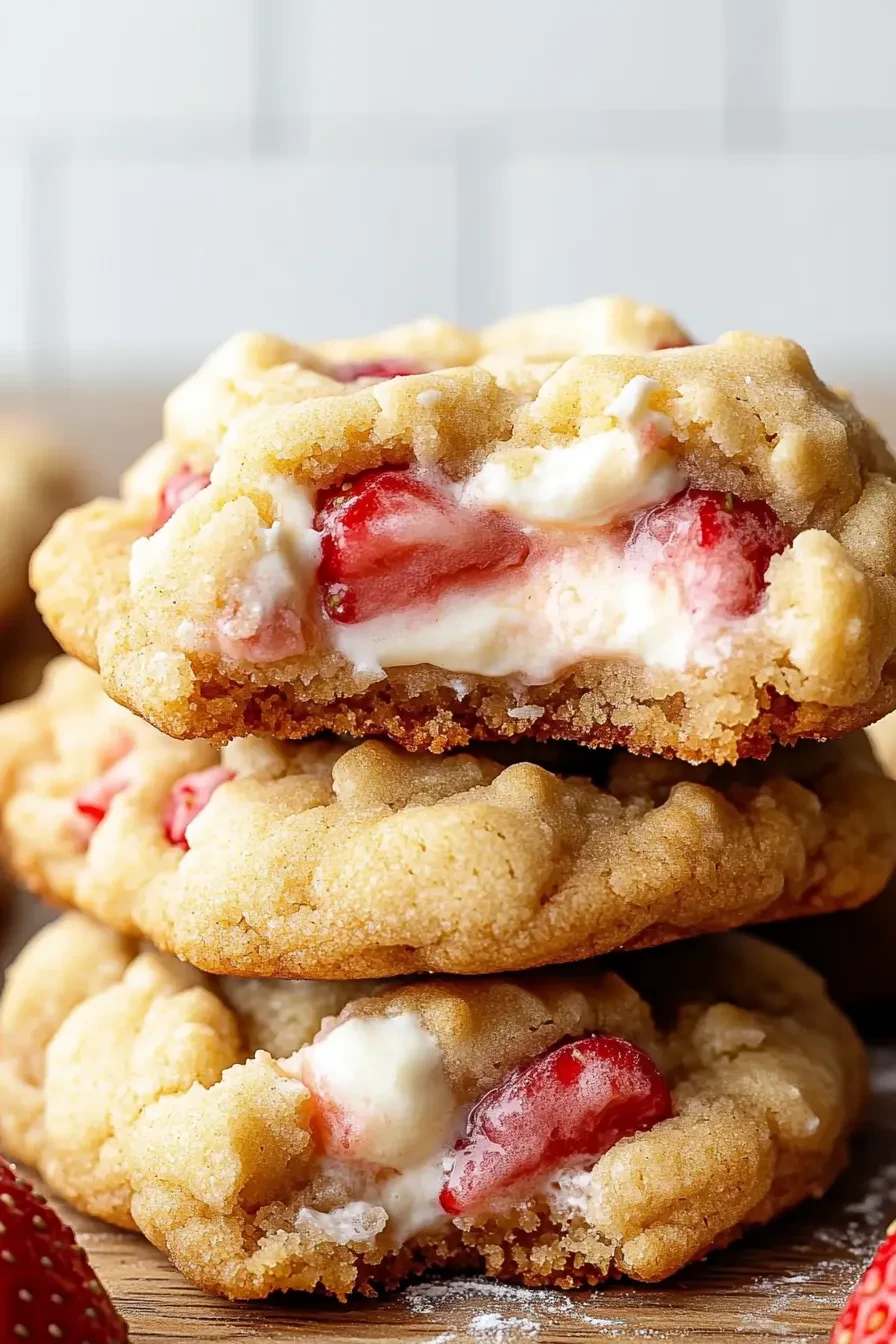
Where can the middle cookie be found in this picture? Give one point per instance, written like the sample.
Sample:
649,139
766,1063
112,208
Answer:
320,860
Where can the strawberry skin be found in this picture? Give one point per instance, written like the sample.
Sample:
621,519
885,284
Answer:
47,1289
869,1316
571,1104
389,539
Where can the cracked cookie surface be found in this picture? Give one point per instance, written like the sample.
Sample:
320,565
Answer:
330,861
146,1096
690,552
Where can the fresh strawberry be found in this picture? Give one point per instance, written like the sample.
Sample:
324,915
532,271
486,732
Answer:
93,800
390,539
47,1289
569,1106
381,369
187,799
717,546
182,486
869,1316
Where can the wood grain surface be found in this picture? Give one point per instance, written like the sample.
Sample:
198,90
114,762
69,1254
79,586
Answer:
787,1282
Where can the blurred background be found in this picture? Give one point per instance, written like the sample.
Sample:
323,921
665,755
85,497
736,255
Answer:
174,170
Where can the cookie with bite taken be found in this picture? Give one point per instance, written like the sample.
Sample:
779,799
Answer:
622,1118
687,552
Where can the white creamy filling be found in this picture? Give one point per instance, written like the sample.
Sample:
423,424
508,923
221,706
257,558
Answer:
384,1080
592,482
288,553
577,597
580,602
396,1125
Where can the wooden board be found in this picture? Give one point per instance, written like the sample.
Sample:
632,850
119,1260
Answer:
787,1282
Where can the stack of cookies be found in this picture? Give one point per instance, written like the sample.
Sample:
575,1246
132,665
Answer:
415,682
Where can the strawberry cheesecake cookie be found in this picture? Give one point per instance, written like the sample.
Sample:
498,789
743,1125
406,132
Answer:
322,860
623,1118
691,552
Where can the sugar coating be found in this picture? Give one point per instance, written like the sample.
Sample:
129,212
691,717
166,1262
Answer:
141,1101
747,415
333,862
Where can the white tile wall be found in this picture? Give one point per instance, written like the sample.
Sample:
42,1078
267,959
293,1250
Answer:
839,54
14,262
170,171
165,260
107,65
794,244
476,59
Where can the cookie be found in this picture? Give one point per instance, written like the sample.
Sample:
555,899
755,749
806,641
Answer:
36,484
329,861
691,552
622,1118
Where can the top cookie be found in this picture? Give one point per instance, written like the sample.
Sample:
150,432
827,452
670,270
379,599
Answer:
36,483
690,552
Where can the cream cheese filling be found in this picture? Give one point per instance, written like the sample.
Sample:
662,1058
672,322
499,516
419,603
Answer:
394,1133
579,596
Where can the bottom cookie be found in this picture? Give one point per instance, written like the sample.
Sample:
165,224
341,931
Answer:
622,1117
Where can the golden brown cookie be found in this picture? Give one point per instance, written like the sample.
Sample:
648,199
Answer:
323,860
673,1099
690,552
36,484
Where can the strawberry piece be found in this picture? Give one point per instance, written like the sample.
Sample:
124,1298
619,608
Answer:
182,486
48,1290
869,1315
381,369
717,545
187,799
391,539
570,1106
282,635
93,800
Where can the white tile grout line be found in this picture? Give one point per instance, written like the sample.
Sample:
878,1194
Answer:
754,55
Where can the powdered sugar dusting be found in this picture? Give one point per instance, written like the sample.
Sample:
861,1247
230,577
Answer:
525,1310
502,1329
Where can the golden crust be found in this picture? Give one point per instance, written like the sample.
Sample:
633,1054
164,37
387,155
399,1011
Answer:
748,415
144,1107
36,484
324,861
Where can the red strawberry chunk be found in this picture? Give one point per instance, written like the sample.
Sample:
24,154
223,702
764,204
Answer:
48,1290
381,369
869,1316
93,800
391,539
717,546
187,799
570,1106
182,486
